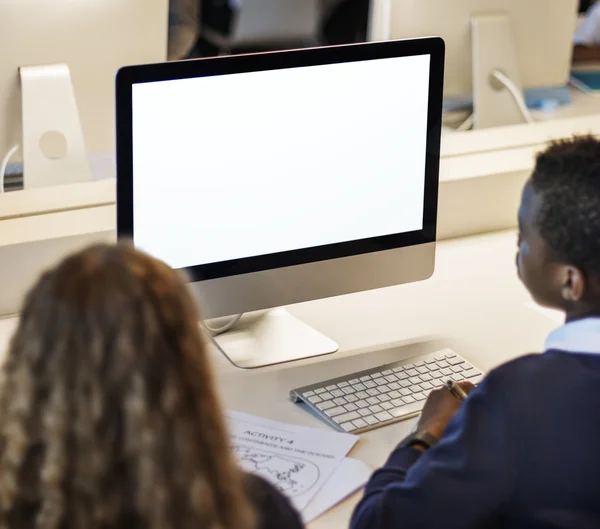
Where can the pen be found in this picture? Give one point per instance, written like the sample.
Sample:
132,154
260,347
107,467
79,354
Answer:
455,389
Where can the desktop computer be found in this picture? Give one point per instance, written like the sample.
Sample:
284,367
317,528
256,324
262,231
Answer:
60,58
279,178
495,48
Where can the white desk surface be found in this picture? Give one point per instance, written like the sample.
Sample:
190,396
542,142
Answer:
474,303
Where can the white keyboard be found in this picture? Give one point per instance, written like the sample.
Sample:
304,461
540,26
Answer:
383,395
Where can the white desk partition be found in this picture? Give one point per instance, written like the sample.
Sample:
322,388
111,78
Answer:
481,178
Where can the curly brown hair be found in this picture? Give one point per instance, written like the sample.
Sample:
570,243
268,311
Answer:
110,418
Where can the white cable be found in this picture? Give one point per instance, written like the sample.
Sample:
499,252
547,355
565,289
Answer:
516,93
220,330
582,87
4,165
467,124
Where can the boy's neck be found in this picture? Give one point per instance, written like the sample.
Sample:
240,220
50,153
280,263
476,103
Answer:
582,313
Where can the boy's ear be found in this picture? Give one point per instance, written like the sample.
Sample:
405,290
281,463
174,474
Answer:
573,284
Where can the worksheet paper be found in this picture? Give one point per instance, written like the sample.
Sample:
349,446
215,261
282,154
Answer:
295,459
350,476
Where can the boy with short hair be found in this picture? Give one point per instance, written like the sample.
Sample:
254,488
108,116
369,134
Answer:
522,451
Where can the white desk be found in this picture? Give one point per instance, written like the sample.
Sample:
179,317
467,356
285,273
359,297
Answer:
474,304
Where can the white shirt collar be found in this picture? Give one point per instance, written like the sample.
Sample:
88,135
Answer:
581,336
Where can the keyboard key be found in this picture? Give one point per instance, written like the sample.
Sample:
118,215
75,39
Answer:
447,372
426,377
415,380
332,412
455,361
440,358
426,386
379,381
394,386
386,405
359,387
371,420
412,372
407,409
360,423
364,412
337,393
376,409
450,355
387,372
343,384
391,378
351,407
362,394
373,392
373,400
405,392
394,394
383,416
348,426
315,399
326,396
319,391
436,374
420,363
325,405
349,390
419,396
331,388
383,398
430,361
470,373
353,381
350,416
398,369
405,383
365,378
361,404
443,364
309,394
423,369
384,388
397,402
456,369
408,400
370,384
403,375
340,401
351,398
476,380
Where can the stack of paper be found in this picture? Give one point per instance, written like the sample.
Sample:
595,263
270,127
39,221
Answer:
309,465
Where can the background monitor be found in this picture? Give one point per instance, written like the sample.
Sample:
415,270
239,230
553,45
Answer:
529,41
284,177
94,38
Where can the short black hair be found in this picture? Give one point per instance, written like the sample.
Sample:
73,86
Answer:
566,179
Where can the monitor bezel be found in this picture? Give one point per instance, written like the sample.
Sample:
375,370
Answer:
223,65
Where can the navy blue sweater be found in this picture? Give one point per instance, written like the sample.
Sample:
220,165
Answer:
523,452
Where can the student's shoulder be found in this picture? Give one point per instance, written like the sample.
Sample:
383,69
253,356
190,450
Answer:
522,371
273,509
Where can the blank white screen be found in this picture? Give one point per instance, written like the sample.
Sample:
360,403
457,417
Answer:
249,164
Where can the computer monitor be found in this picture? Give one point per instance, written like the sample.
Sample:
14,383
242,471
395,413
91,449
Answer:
495,48
59,41
283,177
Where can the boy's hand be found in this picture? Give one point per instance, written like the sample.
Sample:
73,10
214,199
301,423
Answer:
440,407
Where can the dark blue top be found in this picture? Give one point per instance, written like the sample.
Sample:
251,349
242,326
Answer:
523,452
